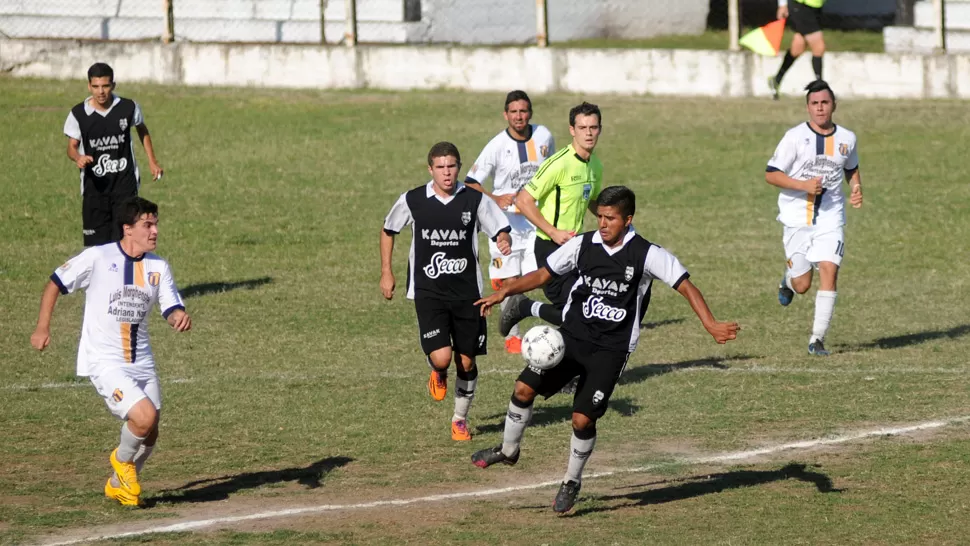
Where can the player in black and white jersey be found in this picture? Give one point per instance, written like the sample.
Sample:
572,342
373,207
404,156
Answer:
511,159
443,276
99,143
601,326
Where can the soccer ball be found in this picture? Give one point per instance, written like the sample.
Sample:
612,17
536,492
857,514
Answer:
543,347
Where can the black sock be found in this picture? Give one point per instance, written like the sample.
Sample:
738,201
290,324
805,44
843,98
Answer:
785,65
525,308
550,314
817,67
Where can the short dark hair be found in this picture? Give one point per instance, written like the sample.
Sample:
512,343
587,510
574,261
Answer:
443,149
132,209
816,86
101,70
620,197
584,109
517,95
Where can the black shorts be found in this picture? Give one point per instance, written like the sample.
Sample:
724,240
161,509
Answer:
598,369
804,20
99,217
456,324
557,289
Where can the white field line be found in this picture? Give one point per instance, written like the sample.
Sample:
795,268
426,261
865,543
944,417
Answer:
710,459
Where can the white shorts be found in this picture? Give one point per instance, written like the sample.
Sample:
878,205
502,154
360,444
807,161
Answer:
522,260
806,246
121,391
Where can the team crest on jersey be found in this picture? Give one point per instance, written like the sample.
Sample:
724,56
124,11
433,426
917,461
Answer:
497,263
153,278
628,274
123,123
117,396
543,150
466,217
844,149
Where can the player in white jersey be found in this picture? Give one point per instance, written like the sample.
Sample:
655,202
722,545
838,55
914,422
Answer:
809,166
511,158
122,282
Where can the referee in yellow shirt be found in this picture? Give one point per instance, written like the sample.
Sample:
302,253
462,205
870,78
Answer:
555,201
805,17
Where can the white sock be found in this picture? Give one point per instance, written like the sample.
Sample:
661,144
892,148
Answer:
824,307
144,452
128,445
788,279
535,309
515,422
142,455
464,393
579,452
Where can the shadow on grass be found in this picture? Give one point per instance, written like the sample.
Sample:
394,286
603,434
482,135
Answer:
642,373
203,289
217,489
897,342
548,415
659,323
644,494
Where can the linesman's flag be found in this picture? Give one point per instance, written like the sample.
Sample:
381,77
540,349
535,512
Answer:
765,40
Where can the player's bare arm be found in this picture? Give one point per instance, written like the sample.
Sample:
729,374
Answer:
812,186
180,321
146,142
41,337
527,206
721,331
504,243
520,285
855,184
77,157
387,276
503,201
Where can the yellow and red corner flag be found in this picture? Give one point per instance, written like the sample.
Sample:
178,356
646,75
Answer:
765,40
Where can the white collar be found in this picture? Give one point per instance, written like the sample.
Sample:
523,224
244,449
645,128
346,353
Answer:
598,239
429,190
88,109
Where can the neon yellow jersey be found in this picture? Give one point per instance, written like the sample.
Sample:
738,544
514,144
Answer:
812,3
563,186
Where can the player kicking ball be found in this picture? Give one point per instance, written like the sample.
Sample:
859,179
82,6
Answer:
809,166
600,328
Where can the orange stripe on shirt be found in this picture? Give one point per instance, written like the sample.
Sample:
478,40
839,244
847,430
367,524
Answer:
126,340
139,273
530,148
830,145
809,209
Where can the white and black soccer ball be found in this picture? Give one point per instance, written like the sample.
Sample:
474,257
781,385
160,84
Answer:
543,347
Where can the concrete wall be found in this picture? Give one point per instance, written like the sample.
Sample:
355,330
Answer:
442,21
627,71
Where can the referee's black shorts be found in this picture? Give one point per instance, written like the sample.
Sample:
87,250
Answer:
598,369
557,289
804,20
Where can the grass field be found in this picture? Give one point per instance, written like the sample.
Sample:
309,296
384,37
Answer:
299,386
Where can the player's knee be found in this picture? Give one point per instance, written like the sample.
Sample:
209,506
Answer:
523,394
466,369
142,418
582,422
440,359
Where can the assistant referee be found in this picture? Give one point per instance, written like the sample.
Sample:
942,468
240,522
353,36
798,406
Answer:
804,17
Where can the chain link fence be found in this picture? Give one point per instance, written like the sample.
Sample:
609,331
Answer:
472,22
